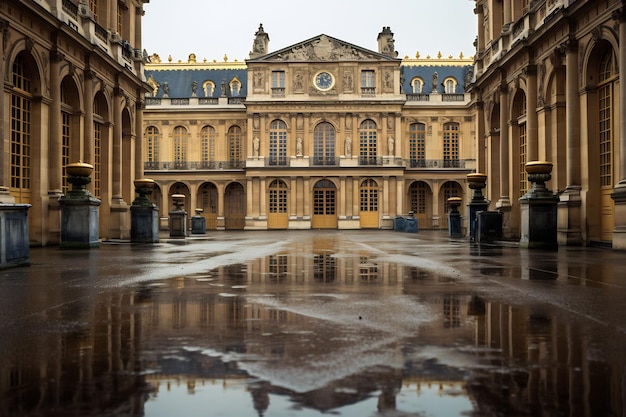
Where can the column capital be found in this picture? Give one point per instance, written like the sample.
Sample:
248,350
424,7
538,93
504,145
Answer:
479,9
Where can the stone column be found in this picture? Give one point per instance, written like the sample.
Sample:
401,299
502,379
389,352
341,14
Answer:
532,119
569,207
480,12
54,154
89,134
619,193
506,5
116,160
504,203
480,142
139,107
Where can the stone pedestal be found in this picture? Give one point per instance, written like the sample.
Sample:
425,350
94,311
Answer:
14,243
198,223
619,233
79,210
178,217
144,216
477,182
454,218
539,209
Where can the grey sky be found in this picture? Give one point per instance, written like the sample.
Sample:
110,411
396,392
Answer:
211,29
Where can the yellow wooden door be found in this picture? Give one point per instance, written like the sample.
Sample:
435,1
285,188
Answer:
368,213
277,217
324,206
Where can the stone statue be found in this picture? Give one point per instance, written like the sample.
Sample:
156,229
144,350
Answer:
255,146
194,88
299,147
348,147
166,89
390,143
435,82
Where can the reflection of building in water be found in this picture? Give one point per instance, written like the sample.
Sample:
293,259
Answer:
97,368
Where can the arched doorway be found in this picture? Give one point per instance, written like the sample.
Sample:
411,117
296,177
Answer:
448,189
368,212
277,215
420,199
207,201
324,205
234,207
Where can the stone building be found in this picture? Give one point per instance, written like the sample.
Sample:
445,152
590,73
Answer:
548,88
320,134
72,91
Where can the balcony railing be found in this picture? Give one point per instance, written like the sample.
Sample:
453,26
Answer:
71,9
417,97
452,97
436,163
193,165
370,160
281,161
325,161
101,33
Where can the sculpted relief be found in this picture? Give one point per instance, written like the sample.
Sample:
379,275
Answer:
322,49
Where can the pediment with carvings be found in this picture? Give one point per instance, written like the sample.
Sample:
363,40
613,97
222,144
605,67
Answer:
324,48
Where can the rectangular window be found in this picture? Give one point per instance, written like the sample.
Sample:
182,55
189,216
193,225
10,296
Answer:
451,145
367,78
65,147
278,83
523,176
97,158
604,122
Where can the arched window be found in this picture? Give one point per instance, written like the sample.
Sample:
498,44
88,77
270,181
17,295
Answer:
324,144
450,189
417,84
70,125
209,88
235,87
417,144
418,192
451,145
152,146
207,145
180,146
234,146
278,143
519,104
369,195
21,116
368,143
278,197
606,79
450,85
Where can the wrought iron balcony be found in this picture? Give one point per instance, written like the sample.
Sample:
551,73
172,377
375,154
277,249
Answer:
370,160
325,161
438,163
193,165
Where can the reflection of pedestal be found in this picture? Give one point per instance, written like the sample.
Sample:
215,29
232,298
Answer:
198,223
79,210
454,218
144,216
538,209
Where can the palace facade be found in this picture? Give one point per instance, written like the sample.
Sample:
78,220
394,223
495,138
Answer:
321,134
71,73
548,88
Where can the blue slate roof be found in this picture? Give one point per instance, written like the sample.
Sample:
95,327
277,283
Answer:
180,81
425,72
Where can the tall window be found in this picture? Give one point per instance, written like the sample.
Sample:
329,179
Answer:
234,145
97,158
324,144
451,145
180,146
369,195
606,78
93,6
120,16
152,145
278,143
523,149
278,197
367,143
65,146
278,82
417,144
20,131
207,143
368,82
418,192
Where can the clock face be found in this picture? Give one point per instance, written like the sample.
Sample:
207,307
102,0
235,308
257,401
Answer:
324,81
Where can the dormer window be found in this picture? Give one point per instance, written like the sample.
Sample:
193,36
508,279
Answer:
209,88
417,84
450,85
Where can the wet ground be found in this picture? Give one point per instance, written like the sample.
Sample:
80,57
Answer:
304,323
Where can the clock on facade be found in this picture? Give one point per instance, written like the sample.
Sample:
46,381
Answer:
324,81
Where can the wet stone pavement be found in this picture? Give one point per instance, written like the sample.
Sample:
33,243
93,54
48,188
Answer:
304,323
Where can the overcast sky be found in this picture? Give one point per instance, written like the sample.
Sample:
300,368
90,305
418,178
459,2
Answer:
212,28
